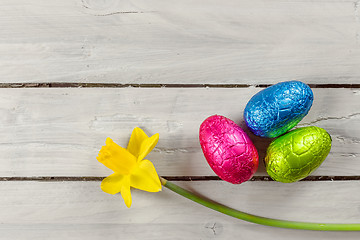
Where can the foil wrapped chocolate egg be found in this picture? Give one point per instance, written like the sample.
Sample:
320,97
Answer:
278,108
297,154
228,150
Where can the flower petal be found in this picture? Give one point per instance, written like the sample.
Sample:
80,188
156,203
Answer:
125,191
116,158
144,177
113,183
147,145
137,137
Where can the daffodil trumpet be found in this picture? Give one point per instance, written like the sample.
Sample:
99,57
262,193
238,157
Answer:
132,170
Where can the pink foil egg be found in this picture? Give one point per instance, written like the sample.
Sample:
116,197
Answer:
228,149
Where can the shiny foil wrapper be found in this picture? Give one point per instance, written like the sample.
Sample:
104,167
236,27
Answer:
228,150
297,154
276,109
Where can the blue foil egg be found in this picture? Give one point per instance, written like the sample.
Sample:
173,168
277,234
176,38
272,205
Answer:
278,108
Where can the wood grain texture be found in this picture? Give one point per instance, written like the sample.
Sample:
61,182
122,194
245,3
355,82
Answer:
150,41
58,132
80,210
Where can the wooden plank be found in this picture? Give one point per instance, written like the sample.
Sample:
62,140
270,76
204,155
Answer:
149,41
58,132
54,210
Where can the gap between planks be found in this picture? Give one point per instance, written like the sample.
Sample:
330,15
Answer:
171,178
155,85
174,178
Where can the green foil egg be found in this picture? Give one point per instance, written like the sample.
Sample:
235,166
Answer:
295,155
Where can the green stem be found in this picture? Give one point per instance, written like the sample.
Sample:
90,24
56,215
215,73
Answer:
257,219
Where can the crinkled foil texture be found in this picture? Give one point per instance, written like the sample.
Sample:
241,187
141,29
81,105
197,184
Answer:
296,154
276,109
228,150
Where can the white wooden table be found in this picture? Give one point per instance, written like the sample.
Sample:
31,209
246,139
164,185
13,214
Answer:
74,72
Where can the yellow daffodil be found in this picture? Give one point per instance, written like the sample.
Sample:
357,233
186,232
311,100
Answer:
131,170
129,166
